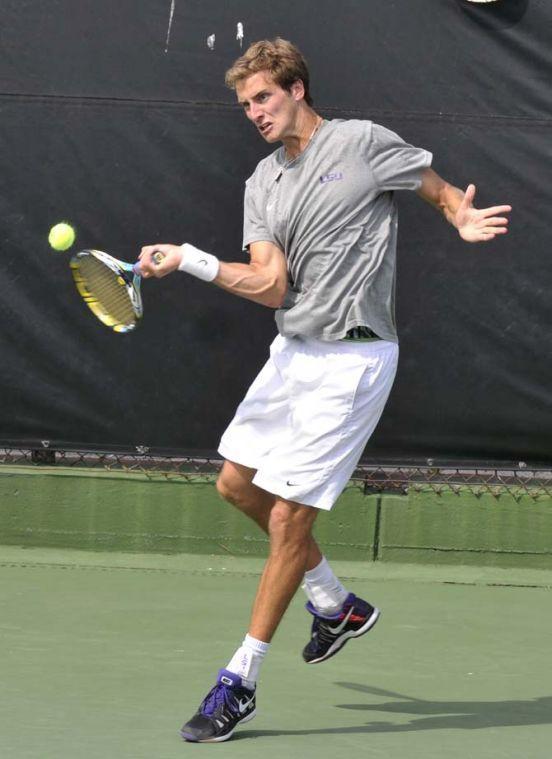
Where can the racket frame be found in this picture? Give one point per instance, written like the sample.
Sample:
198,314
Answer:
128,278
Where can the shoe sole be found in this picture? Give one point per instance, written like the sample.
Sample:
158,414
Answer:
338,644
191,739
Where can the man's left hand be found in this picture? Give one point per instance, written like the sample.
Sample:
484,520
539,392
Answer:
479,225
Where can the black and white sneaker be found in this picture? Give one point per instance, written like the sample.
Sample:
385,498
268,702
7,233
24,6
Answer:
330,633
221,711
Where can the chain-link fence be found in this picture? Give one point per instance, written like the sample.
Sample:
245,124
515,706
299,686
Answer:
432,475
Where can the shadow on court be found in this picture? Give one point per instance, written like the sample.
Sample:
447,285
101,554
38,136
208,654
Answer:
444,715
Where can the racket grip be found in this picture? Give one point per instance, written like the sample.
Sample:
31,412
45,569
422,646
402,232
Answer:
157,258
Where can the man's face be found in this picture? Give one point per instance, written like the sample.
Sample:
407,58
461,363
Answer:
272,109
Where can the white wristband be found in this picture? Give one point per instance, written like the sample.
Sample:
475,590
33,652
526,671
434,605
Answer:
197,263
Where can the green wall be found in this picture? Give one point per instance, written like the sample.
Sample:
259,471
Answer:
117,511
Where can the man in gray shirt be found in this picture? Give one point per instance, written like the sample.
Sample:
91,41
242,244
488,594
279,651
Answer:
320,228
335,198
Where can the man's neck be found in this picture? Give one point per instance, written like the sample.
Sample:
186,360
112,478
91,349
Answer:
308,123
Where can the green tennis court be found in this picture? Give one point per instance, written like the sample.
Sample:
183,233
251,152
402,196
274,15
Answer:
106,654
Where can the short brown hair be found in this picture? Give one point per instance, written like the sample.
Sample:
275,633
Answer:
283,61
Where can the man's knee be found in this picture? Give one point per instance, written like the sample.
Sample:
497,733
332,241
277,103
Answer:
234,483
228,490
289,520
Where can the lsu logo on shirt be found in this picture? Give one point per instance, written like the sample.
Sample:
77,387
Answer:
333,177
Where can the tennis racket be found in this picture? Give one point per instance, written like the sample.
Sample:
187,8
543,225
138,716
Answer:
110,288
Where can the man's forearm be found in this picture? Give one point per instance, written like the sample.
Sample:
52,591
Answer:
263,280
441,195
450,198
473,224
252,281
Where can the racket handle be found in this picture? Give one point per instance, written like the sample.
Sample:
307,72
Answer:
157,258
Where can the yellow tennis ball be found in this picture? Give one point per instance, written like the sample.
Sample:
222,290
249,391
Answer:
61,236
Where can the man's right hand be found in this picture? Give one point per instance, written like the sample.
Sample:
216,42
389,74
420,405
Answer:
172,256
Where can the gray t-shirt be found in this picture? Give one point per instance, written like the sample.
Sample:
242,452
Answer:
332,212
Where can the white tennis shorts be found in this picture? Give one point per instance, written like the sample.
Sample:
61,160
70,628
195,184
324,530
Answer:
307,417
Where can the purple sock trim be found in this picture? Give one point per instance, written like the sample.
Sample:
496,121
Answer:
235,680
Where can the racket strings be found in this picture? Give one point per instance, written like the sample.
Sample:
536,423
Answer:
108,289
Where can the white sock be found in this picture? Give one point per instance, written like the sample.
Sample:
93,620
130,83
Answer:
323,589
247,660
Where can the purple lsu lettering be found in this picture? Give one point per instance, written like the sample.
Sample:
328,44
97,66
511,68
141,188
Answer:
333,177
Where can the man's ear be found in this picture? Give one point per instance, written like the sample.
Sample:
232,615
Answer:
297,89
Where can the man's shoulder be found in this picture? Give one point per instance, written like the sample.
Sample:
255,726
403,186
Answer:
364,132
351,126
266,166
354,132
348,137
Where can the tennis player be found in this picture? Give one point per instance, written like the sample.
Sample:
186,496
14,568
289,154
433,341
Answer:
320,229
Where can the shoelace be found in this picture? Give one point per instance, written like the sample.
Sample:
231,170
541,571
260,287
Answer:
215,698
325,635
320,631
